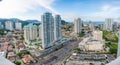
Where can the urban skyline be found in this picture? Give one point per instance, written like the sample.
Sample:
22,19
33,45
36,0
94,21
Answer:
60,32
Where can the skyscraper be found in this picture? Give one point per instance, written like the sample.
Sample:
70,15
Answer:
77,25
40,31
47,30
109,24
9,25
115,26
57,28
1,26
30,32
18,26
91,26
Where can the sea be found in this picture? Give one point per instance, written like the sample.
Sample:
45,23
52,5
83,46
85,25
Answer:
96,22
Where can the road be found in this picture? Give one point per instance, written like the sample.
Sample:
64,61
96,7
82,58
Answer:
67,51
58,56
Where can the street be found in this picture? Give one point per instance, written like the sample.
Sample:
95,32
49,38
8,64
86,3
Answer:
59,55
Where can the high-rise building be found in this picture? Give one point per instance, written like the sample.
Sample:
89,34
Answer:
9,25
18,26
57,28
40,31
30,32
109,24
101,26
91,26
115,26
1,26
77,25
47,30
97,35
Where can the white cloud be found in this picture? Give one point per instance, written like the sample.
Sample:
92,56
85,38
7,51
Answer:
47,4
106,11
16,8
106,8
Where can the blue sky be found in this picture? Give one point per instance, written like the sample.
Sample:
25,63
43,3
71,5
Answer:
94,10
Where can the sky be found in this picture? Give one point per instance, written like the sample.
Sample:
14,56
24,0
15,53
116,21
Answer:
94,10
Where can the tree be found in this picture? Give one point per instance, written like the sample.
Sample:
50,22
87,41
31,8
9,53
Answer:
91,64
1,32
81,34
78,49
110,36
22,38
23,52
18,63
113,51
19,54
102,64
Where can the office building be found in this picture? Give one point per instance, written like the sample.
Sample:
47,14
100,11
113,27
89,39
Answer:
30,32
9,25
89,44
97,35
93,45
47,30
57,28
18,26
77,25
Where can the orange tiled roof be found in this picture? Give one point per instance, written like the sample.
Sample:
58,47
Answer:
27,59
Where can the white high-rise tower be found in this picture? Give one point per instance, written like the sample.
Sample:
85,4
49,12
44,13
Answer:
9,25
57,28
30,32
91,25
47,30
77,25
18,26
109,24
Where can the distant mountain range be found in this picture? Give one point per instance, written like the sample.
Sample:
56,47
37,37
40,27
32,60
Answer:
25,22
33,21
15,20
3,20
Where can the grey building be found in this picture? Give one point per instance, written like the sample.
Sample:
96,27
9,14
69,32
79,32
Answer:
47,30
57,28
